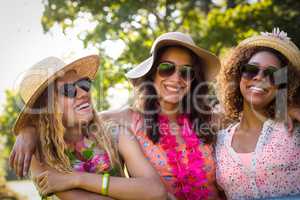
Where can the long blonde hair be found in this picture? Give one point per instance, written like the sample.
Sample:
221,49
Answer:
50,129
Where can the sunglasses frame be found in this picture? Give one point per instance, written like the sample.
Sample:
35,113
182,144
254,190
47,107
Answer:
249,75
65,88
170,72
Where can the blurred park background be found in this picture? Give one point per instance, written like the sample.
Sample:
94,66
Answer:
121,31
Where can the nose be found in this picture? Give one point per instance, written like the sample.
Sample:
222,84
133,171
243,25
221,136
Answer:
81,93
175,76
259,76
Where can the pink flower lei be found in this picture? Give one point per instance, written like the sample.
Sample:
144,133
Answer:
190,177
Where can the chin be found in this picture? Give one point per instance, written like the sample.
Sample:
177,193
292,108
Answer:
258,103
84,115
172,100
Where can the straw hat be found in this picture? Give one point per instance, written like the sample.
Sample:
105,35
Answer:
211,62
40,75
277,40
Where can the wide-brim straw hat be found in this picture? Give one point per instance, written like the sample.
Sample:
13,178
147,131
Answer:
45,72
277,40
211,63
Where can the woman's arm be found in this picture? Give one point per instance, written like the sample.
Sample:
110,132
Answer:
144,184
80,194
38,168
146,181
23,150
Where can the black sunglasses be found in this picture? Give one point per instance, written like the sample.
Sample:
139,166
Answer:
70,90
166,69
249,71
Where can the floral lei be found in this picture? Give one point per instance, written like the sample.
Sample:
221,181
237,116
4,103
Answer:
85,156
190,177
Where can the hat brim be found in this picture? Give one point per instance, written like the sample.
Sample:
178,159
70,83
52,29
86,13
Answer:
142,69
211,62
286,48
84,67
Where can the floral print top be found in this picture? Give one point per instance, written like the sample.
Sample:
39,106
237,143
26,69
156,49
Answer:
275,164
158,158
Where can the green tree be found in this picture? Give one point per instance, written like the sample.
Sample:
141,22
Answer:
5,192
137,23
7,119
226,29
110,72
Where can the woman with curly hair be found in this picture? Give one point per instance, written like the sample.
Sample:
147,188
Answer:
79,158
256,157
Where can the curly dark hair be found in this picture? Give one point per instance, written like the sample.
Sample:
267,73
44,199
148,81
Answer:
230,77
150,106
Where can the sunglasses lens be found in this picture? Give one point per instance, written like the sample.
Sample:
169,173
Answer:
270,73
84,84
166,69
68,90
187,73
249,71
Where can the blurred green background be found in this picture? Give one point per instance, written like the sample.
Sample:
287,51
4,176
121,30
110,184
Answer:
215,25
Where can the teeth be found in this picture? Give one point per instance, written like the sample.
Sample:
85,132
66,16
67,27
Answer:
172,89
257,89
84,105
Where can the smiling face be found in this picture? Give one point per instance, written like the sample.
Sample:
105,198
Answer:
76,110
258,91
171,89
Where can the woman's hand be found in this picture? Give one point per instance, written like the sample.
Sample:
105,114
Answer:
52,181
293,115
37,168
24,148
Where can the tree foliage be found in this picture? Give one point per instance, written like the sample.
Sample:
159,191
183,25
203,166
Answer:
226,28
108,74
137,23
7,120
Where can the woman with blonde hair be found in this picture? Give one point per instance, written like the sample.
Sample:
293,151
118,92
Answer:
79,157
256,157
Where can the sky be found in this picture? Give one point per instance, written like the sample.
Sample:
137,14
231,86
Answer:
23,43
